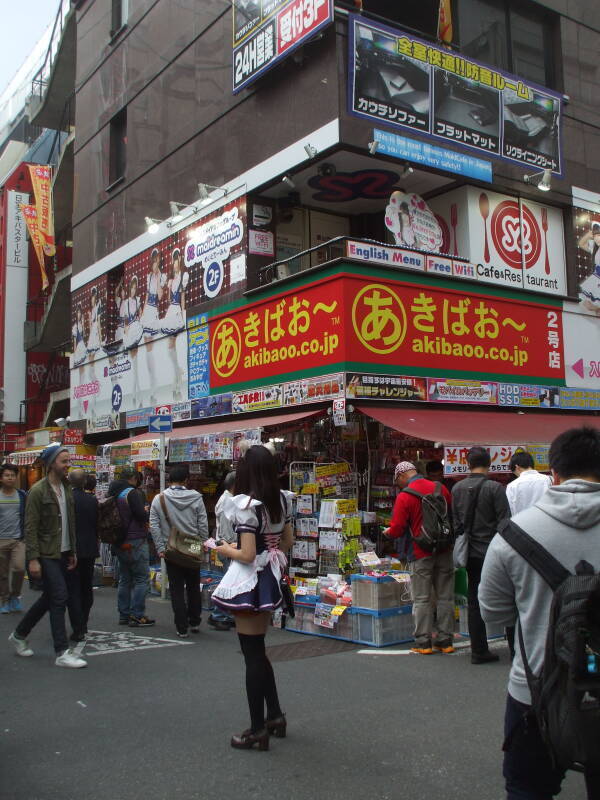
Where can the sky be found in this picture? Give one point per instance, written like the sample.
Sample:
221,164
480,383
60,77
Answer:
22,24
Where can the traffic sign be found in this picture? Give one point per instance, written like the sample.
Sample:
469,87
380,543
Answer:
162,423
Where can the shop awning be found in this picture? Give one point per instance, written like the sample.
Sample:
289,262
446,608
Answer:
460,426
23,458
243,423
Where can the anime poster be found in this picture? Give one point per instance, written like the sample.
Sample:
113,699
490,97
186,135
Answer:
130,344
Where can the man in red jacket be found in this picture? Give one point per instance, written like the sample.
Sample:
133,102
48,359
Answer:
427,571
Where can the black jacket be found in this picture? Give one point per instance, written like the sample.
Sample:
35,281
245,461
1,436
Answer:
491,508
135,500
86,523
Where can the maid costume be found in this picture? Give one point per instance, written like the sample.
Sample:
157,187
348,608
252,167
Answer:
81,352
134,331
94,344
173,321
590,288
149,320
255,586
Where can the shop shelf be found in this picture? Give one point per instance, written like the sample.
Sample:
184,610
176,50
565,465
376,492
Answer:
381,628
378,593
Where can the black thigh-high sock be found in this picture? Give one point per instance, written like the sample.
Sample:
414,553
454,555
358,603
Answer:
253,648
260,680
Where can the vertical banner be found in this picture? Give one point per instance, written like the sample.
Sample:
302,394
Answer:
31,218
41,179
17,252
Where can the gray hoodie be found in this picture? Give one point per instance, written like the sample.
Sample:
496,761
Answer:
186,512
566,521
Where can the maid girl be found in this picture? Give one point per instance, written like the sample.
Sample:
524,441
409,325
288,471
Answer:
94,343
173,322
155,282
80,352
250,590
589,290
133,333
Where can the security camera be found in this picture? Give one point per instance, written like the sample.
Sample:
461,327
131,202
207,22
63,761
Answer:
62,422
326,170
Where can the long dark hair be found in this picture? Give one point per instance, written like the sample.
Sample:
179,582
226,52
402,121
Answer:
256,475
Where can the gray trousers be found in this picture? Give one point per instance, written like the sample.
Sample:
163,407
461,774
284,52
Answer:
433,577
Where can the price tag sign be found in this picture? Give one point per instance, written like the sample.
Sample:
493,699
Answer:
337,611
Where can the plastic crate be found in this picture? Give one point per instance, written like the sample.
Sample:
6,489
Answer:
377,593
493,631
303,622
382,628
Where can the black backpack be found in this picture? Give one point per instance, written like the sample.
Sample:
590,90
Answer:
435,535
565,698
111,529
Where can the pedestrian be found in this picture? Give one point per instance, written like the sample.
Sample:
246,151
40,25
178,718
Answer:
529,485
183,509
478,506
219,619
12,546
51,553
86,537
566,522
430,572
132,552
261,517
435,472
90,483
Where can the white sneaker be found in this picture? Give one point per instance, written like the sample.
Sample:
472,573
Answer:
21,646
69,659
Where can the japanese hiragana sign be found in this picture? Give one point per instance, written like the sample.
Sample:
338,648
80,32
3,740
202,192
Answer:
458,390
265,31
353,322
394,78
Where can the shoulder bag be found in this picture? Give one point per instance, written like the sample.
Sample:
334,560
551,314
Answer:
460,554
182,549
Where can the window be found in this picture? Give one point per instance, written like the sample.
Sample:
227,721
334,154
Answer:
118,147
120,12
518,41
417,15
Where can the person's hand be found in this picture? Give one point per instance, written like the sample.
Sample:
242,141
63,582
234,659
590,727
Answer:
222,549
71,562
386,531
35,568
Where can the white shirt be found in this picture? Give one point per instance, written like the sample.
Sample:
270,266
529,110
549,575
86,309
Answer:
64,519
526,490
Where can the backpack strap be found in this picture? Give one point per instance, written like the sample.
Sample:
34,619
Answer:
551,570
163,505
414,492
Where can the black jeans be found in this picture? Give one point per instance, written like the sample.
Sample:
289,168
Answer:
477,631
184,582
529,773
61,590
85,570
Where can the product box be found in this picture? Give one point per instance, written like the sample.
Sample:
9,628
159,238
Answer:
379,592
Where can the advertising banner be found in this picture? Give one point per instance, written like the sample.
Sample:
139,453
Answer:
266,31
505,240
447,390
17,250
580,399
528,396
352,321
138,418
312,390
257,399
198,356
415,85
455,457
217,405
30,215
41,180
385,387
145,450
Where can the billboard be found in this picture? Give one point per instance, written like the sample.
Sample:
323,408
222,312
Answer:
414,85
352,322
266,31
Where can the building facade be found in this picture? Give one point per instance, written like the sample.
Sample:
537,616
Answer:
281,202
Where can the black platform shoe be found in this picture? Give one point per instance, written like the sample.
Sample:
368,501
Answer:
277,726
247,740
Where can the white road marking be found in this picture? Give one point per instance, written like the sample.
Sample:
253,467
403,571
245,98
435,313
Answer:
374,651
100,643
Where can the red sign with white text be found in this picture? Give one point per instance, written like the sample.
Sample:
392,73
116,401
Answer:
73,436
364,323
299,19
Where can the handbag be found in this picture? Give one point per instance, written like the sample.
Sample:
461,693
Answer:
288,596
460,554
183,549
